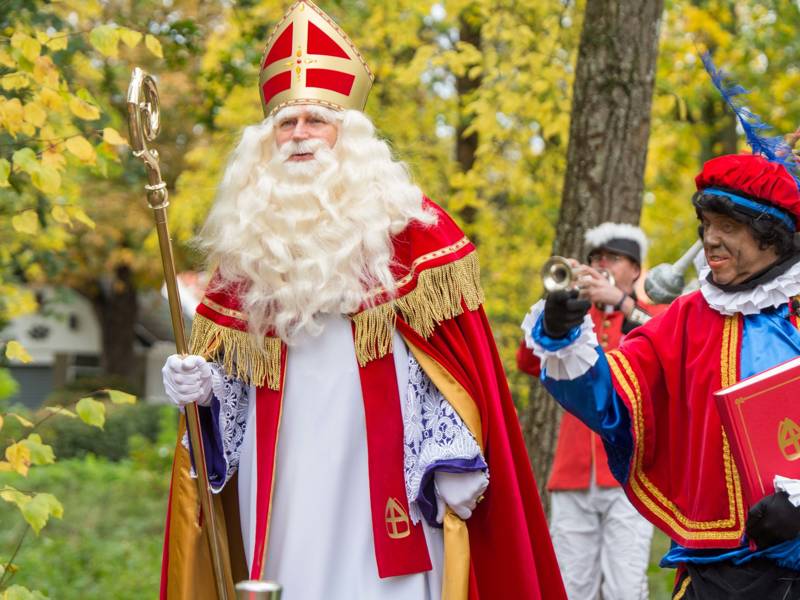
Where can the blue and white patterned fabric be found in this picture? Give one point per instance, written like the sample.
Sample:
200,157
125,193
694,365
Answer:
223,426
435,438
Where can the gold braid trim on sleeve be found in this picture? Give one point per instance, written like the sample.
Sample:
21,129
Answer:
238,352
437,297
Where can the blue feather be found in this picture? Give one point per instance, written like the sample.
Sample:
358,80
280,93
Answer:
773,148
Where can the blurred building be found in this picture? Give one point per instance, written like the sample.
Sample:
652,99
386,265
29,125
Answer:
64,340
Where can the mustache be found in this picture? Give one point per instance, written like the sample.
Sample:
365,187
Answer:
304,147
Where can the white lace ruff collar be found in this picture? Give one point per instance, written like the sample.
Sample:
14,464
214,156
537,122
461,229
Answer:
749,302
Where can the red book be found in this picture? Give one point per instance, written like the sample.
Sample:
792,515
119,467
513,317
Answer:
761,417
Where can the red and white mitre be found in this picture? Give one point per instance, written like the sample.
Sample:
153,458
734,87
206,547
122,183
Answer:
310,60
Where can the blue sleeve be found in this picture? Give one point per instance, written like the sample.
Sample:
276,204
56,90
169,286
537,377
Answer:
592,398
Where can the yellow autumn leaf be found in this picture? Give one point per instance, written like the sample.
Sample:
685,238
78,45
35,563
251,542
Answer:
129,36
29,47
16,351
58,42
22,420
51,99
34,114
45,73
53,158
27,222
81,148
15,81
7,60
119,397
60,215
5,466
80,215
47,179
42,37
5,171
153,45
82,109
112,136
106,39
19,457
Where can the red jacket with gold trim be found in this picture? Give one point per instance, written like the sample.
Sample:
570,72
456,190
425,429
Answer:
578,447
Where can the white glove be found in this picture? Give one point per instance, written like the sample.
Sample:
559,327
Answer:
460,491
187,379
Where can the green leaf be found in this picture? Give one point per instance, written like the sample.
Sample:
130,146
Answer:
106,39
91,412
25,159
47,179
118,397
27,222
39,509
40,454
17,592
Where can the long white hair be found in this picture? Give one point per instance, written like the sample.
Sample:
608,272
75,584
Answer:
309,238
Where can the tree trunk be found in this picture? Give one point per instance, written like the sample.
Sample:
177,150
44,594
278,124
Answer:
609,131
467,144
115,305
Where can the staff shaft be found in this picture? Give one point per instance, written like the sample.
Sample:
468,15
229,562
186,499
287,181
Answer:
143,121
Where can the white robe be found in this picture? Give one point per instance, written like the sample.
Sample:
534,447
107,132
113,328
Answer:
320,544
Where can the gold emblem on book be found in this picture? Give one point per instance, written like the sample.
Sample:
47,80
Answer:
789,439
397,524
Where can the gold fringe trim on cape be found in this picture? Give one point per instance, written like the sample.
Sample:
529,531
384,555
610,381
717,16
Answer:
436,298
374,331
238,352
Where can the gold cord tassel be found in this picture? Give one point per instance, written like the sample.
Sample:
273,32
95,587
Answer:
238,352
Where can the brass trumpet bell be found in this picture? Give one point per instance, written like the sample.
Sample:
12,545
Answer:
557,274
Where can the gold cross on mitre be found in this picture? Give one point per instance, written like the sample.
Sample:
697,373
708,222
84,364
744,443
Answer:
310,60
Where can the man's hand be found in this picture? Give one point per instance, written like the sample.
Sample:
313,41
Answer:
460,491
563,310
773,520
187,379
595,287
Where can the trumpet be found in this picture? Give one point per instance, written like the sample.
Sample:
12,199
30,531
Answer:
559,274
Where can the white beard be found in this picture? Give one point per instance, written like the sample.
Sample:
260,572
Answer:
308,238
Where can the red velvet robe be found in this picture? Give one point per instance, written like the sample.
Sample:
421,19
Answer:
437,310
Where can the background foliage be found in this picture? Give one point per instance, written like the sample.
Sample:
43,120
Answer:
473,94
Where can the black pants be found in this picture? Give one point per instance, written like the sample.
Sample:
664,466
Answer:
759,579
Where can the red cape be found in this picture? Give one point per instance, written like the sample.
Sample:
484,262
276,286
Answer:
438,311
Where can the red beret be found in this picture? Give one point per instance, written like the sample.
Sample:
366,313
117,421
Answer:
753,176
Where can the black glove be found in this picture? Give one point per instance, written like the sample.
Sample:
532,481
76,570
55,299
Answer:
563,310
773,520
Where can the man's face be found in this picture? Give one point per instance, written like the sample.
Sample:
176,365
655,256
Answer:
304,126
732,253
622,268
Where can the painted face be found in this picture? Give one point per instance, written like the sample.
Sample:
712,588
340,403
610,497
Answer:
624,270
732,252
304,126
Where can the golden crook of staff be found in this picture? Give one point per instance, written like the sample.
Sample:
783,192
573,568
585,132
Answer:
144,124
